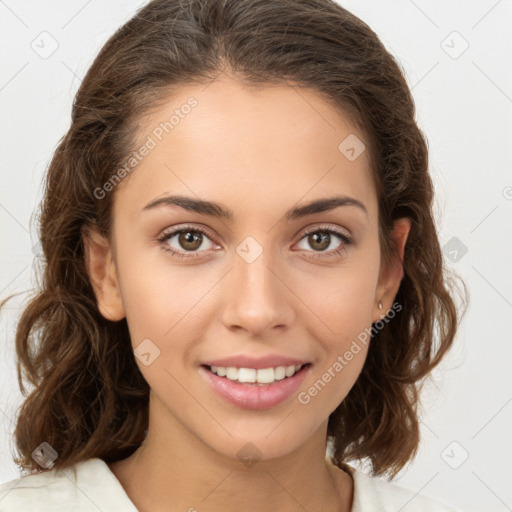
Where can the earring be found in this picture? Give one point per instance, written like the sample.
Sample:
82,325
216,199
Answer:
380,307
380,304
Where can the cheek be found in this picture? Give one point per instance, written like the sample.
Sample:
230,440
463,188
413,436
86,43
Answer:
342,298
342,301
344,336
342,305
163,301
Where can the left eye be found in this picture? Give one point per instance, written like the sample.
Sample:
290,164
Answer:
323,238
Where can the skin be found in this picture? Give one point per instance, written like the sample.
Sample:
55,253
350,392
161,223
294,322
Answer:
259,152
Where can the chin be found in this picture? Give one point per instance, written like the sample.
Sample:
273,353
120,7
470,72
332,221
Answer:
259,441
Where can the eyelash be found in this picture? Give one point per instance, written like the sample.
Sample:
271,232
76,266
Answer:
346,239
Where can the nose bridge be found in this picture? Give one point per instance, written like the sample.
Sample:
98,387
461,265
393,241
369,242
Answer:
256,297
251,268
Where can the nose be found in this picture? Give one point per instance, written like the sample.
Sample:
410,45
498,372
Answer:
256,296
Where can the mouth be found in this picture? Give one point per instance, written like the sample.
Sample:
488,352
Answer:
255,388
258,376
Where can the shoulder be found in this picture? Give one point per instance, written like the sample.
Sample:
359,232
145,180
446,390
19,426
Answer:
83,487
374,493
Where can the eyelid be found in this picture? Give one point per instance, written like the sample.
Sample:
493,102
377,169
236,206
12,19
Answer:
343,234
175,230
306,231
172,232
327,227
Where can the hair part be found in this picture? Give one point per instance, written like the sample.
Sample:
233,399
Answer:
89,397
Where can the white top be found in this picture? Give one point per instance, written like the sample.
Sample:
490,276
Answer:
90,486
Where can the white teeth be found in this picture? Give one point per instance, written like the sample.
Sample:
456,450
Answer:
260,376
290,370
280,373
265,375
246,375
232,373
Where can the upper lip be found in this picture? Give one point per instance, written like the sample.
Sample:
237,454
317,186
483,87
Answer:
245,361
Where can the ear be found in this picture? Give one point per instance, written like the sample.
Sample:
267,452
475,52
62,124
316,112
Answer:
391,275
101,268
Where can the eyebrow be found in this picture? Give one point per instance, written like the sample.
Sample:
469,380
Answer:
218,210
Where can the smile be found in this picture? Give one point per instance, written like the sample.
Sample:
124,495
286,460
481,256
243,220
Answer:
261,376
251,388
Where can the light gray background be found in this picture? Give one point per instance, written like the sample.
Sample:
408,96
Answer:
464,103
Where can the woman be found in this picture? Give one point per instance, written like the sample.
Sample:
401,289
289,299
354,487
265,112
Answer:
242,271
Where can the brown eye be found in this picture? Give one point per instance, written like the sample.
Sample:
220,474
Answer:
187,240
320,239
190,240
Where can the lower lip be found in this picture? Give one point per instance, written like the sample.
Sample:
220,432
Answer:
254,396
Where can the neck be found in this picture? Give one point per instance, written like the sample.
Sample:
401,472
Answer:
181,473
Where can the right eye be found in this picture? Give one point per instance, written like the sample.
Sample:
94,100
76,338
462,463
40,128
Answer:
190,239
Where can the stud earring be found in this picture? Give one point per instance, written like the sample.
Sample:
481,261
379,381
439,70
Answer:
380,304
380,307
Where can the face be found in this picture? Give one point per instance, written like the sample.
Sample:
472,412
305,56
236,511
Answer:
260,286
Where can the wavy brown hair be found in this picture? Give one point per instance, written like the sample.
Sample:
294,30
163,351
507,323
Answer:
89,398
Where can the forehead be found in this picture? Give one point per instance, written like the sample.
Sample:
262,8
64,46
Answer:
271,146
